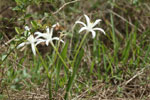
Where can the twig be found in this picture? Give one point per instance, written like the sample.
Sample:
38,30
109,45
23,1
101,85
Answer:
5,44
65,5
138,73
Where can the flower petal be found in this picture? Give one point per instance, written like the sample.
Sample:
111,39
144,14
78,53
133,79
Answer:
99,29
79,22
47,42
39,34
82,29
47,29
21,45
56,38
96,22
51,32
57,24
31,39
87,19
93,33
33,48
39,41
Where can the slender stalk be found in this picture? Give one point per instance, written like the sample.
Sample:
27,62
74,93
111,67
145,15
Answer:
71,79
45,66
60,56
115,42
77,52
48,75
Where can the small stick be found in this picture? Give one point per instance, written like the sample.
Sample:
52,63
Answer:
138,73
65,5
5,44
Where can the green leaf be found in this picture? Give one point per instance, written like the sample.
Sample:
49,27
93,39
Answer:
126,51
60,63
75,69
34,24
3,57
18,30
27,15
1,36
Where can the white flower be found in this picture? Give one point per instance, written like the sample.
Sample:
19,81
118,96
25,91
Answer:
27,28
30,40
47,37
90,26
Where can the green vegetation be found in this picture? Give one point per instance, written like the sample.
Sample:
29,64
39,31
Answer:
114,66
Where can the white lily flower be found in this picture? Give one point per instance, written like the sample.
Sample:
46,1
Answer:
90,26
30,40
47,36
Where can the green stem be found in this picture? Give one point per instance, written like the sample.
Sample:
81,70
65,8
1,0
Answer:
48,75
77,52
45,66
71,79
59,56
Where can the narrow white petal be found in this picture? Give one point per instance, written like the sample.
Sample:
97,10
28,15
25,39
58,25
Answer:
79,22
47,29
82,29
57,24
39,41
47,42
96,22
54,25
51,32
87,20
99,29
30,38
38,33
45,35
93,34
21,45
33,48
56,38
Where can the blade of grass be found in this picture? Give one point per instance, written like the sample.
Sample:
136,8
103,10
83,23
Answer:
72,78
126,51
60,63
65,65
147,54
48,75
115,41
70,82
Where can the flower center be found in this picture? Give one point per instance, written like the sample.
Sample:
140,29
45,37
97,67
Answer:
31,39
90,26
